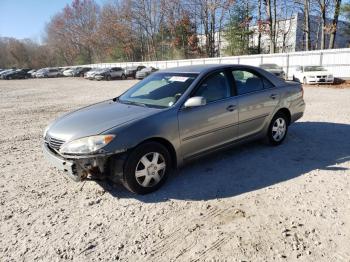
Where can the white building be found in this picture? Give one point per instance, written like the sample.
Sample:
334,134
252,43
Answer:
291,35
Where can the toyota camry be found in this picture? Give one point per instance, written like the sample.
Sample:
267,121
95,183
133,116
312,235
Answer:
170,118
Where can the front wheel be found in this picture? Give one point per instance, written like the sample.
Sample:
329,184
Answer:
123,77
304,81
146,168
278,129
109,77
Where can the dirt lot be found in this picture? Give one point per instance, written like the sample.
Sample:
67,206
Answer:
252,203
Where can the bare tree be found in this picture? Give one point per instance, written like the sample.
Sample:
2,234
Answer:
259,24
271,21
323,7
307,24
334,25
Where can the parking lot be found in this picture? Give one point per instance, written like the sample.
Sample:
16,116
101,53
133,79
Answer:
250,203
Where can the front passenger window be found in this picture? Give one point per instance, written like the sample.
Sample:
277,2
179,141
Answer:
214,88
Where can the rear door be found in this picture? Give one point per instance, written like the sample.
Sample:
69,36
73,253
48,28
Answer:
257,99
206,127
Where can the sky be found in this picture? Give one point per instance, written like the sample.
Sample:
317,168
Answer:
27,18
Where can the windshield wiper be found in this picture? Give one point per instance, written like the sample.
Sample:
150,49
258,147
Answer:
131,103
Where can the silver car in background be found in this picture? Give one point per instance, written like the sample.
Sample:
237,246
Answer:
48,72
274,69
172,117
141,74
110,73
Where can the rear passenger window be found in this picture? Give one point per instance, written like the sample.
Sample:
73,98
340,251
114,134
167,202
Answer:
247,82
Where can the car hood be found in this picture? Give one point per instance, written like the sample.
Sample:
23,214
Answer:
317,73
96,119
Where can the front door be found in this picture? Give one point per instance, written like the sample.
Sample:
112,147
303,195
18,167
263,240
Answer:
205,127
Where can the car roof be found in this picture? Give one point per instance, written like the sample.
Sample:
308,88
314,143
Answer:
207,68
203,68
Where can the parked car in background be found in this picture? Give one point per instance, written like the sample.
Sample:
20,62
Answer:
274,69
313,75
183,113
67,72
38,72
31,72
91,74
4,72
110,73
17,74
48,72
131,71
145,72
80,71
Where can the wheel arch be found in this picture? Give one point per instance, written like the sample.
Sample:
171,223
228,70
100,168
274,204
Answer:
167,144
286,112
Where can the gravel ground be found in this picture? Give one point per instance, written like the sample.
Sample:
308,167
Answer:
251,203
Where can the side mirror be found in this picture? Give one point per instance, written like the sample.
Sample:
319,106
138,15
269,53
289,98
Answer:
195,101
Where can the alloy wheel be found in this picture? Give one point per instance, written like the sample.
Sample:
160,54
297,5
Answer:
279,129
150,169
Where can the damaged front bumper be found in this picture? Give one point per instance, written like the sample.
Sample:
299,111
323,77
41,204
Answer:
77,168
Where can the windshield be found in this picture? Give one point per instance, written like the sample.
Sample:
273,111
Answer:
158,90
270,66
314,68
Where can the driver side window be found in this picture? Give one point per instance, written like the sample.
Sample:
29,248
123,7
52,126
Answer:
214,88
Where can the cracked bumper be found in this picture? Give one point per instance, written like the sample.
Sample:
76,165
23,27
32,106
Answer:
67,166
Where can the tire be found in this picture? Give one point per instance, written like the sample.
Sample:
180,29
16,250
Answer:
304,81
123,77
152,162
109,78
278,129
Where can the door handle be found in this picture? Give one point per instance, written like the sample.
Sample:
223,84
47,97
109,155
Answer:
273,96
231,108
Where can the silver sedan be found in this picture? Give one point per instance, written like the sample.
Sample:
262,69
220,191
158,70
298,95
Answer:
171,117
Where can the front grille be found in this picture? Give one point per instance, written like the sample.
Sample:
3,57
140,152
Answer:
54,143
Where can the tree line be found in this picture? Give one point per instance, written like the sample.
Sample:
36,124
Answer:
85,32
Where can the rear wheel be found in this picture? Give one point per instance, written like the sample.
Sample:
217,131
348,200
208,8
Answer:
123,77
146,168
304,81
278,129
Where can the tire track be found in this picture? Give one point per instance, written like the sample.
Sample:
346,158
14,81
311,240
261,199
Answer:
214,246
182,232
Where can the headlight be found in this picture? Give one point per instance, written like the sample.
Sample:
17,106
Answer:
86,145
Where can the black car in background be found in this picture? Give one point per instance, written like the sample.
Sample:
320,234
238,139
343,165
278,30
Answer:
17,74
131,71
80,71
